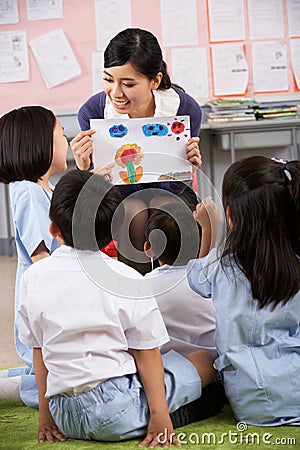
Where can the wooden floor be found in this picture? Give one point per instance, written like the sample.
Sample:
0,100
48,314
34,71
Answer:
8,355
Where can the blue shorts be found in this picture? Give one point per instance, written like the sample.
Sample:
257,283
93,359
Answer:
117,409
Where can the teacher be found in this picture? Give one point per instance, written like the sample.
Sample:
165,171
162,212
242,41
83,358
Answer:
136,84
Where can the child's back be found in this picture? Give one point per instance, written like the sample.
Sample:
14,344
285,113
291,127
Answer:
258,348
255,287
84,294
189,318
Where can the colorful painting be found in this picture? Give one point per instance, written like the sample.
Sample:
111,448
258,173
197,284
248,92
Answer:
155,129
118,131
143,150
128,156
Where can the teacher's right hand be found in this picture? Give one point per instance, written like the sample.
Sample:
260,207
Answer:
82,148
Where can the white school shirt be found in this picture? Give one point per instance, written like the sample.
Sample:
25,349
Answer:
70,307
189,318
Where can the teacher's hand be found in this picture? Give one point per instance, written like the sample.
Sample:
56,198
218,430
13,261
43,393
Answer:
82,148
192,152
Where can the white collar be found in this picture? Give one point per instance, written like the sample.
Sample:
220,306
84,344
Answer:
166,104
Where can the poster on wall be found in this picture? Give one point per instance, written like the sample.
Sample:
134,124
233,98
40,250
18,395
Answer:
143,150
270,71
44,9
55,58
9,12
106,27
230,69
14,63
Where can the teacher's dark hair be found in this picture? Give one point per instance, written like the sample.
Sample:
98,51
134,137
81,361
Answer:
141,49
26,143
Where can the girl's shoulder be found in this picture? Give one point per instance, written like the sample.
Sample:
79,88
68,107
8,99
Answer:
25,191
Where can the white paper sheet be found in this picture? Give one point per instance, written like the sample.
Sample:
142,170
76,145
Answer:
265,19
226,20
179,23
9,12
112,16
230,69
189,70
97,71
143,150
55,58
295,56
293,9
269,67
14,64
44,9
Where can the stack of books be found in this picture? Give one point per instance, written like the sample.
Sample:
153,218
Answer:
236,110
224,110
277,110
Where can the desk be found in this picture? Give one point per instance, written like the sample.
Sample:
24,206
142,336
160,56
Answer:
232,129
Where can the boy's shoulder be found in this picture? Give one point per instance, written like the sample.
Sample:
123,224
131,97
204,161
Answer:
164,270
121,267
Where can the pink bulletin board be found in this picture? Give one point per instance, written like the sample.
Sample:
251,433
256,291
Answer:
79,26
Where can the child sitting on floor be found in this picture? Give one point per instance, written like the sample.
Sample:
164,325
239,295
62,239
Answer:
255,286
173,237
96,328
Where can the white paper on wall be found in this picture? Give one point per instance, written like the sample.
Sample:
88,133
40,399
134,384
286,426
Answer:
295,55
269,67
14,63
143,150
112,16
230,69
265,19
226,20
293,10
190,70
55,58
9,12
97,71
179,23
44,9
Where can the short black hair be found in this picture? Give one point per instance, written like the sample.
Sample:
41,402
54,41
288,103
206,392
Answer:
84,207
173,233
26,143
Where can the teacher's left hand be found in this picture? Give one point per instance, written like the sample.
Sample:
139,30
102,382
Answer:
192,151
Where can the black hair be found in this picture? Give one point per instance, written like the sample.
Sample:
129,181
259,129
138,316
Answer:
26,143
173,233
263,197
141,49
83,206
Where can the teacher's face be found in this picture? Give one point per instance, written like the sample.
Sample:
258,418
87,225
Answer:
129,91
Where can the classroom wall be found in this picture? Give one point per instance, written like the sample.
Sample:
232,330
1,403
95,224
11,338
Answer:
79,26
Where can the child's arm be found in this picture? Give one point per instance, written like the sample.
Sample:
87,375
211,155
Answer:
47,428
208,216
150,368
